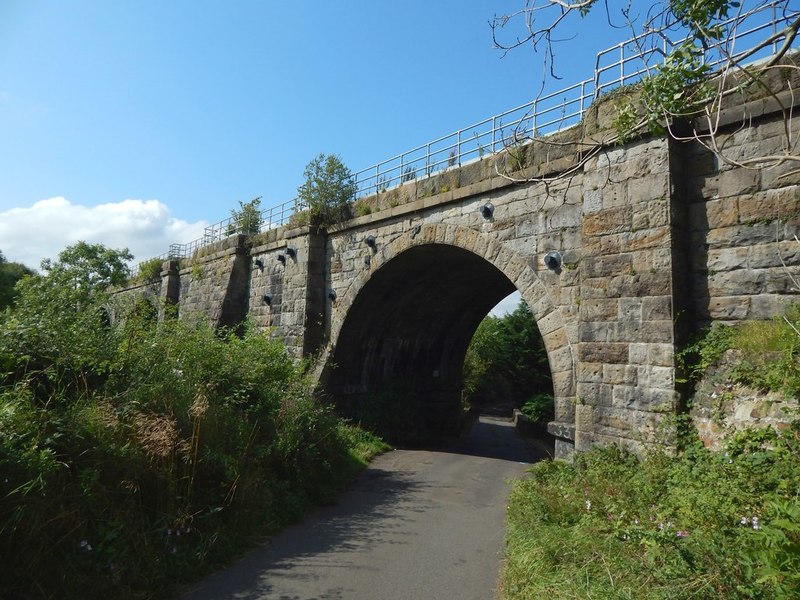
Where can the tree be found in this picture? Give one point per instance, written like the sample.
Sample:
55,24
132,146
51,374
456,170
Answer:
89,267
683,95
247,219
328,189
507,358
10,274
59,321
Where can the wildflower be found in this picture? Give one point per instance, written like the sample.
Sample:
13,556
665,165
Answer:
588,505
756,524
84,545
744,521
660,526
682,533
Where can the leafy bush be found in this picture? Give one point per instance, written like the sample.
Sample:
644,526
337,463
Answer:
140,455
149,270
10,274
766,353
540,407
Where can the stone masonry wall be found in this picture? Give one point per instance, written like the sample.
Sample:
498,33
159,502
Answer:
742,227
656,238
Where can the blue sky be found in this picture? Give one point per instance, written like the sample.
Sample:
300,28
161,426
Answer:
137,123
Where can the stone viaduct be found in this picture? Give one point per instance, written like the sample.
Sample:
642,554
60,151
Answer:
620,251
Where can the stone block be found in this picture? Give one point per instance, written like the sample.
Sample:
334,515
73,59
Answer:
714,214
603,352
587,372
561,359
603,266
565,409
726,259
630,309
565,216
656,377
645,239
599,309
594,331
657,308
620,375
767,306
740,282
564,383
729,308
607,221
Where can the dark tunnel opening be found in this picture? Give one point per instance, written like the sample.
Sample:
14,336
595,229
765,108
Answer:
399,357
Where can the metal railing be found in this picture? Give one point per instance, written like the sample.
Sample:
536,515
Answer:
622,64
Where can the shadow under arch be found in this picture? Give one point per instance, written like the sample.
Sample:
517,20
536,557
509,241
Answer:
400,330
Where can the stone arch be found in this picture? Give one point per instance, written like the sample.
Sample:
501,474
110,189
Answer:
476,247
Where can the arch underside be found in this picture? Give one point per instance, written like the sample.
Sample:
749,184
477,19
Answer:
409,327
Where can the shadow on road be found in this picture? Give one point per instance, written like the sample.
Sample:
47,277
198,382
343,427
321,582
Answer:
366,515
344,547
490,436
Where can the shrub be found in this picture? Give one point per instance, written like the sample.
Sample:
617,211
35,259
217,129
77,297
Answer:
149,270
328,190
138,456
247,220
540,408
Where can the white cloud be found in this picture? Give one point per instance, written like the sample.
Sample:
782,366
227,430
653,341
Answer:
145,227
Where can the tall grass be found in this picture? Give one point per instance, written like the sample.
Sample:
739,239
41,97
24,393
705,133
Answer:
172,448
692,524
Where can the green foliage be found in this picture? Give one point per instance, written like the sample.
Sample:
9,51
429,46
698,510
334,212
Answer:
247,220
698,525
676,89
362,208
89,267
507,357
625,121
767,353
704,350
328,189
138,455
149,270
540,407
10,274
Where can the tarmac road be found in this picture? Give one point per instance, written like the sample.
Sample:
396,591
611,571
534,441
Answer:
416,524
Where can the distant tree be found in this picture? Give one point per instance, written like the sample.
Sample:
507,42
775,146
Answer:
247,219
89,267
328,189
10,274
507,358
60,317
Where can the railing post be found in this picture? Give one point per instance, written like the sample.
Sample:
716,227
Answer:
458,148
494,129
428,159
